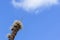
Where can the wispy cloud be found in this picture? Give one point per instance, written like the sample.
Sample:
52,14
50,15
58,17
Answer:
34,4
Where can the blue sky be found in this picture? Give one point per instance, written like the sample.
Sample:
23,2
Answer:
42,26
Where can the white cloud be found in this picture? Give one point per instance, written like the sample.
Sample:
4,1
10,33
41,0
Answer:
34,4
